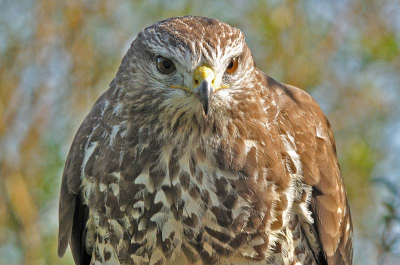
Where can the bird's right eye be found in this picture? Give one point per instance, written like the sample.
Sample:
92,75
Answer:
233,66
164,65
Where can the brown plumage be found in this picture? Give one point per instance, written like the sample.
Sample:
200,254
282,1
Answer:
194,156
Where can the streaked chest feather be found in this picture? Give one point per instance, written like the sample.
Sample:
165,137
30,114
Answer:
213,203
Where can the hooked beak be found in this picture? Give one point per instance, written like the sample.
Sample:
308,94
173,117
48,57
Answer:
203,78
204,93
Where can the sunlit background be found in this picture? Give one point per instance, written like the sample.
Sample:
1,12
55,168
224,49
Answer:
56,58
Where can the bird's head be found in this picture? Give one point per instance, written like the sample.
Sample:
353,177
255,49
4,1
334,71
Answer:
187,64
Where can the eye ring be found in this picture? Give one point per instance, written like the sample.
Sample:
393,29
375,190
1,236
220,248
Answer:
164,65
233,65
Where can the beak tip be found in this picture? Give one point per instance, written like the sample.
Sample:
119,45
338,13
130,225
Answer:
205,108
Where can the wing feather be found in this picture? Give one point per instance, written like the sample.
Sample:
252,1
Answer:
73,215
316,147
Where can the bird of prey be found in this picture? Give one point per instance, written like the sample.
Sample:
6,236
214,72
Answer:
195,156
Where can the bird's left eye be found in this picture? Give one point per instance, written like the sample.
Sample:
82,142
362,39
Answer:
164,65
233,65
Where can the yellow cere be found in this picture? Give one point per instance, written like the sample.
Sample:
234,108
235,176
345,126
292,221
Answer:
203,73
200,74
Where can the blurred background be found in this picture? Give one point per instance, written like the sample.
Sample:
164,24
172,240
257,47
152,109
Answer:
56,58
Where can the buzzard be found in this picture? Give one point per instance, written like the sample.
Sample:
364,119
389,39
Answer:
195,156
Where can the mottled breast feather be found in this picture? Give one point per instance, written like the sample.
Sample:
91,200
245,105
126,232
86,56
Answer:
150,179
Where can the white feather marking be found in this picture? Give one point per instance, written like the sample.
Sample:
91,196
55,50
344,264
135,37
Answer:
191,206
115,189
139,206
161,217
249,144
102,187
320,131
114,260
303,210
144,179
118,108
118,229
138,259
88,153
106,103
291,150
115,129
293,191
238,209
160,197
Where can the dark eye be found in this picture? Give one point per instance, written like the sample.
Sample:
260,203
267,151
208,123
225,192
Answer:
233,65
165,65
